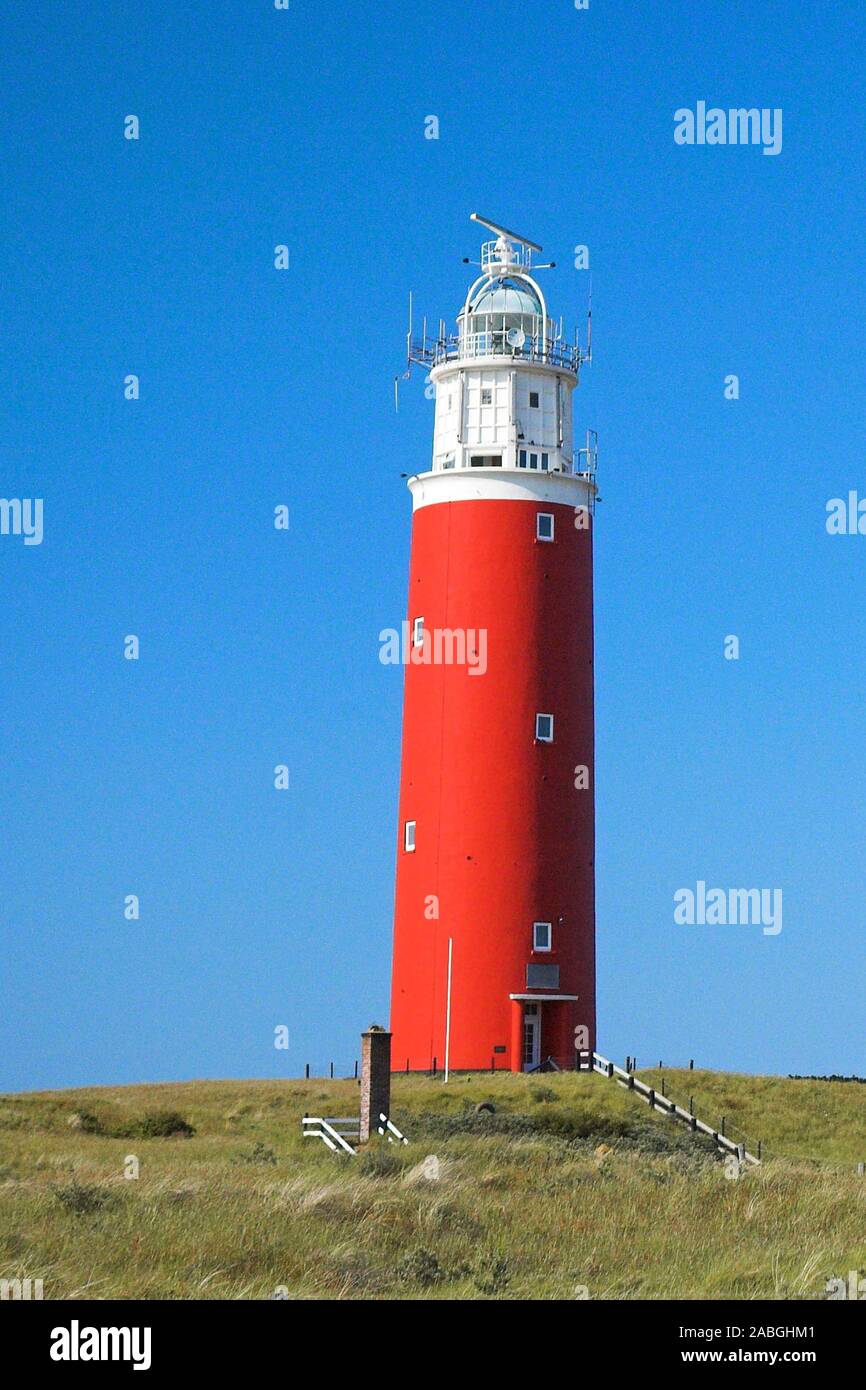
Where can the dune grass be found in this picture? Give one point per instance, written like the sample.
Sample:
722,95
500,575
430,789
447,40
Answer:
571,1189
797,1119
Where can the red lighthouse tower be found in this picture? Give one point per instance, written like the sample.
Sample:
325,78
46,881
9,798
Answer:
494,931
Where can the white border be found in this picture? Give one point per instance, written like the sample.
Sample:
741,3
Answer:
500,485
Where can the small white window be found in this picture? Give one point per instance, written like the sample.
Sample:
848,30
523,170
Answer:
487,396
409,836
448,461
544,728
541,936
533,461
533,400
545,462
418,632
522,459
544,526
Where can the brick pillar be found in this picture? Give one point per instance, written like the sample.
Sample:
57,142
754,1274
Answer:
375,1079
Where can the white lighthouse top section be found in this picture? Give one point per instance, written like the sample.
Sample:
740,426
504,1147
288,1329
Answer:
504,314
504,381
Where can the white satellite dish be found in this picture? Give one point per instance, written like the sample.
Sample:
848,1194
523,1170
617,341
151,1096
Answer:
515,337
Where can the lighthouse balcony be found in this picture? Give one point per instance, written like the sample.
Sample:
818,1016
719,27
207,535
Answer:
436,352
582,464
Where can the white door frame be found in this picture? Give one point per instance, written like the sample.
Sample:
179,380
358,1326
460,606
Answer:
532,1021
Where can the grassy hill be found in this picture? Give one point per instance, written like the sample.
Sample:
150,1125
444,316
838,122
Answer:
571,1185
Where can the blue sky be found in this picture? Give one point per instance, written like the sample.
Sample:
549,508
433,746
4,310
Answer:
262,387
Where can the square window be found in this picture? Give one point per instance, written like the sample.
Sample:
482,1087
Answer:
409,836
544,728
542,934
544,526
533,400
418,632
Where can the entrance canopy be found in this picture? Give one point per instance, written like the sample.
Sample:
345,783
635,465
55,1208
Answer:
543,998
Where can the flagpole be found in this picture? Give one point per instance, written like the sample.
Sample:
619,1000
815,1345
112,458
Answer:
448,1010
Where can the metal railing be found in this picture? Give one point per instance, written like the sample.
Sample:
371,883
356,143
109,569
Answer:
431,352
657,1100
514,258
585,461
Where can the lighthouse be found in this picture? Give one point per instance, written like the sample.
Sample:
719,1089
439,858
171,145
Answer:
494,925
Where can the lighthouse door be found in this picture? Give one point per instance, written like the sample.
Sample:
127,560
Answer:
531,1036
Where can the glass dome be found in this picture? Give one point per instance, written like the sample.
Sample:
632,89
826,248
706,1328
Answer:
506,297
505,316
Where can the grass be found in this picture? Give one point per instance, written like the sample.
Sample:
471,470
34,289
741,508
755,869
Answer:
571,1188
799,1119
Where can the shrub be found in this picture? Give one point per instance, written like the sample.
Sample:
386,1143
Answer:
567,1125
260,1153
645,1137
156,1124
86,1122
379,1162
490,1274
421,1267
542,1094
81,1198
576,1127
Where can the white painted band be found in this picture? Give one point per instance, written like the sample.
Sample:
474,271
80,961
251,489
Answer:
499,484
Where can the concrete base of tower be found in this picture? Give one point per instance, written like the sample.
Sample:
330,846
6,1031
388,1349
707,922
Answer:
543,1031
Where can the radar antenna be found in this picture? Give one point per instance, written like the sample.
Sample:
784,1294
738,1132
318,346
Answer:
503,231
